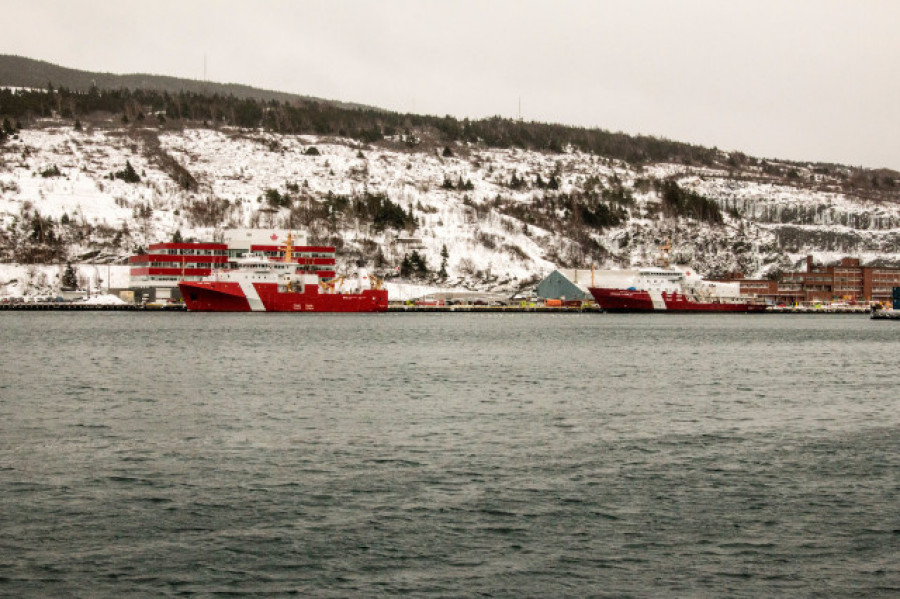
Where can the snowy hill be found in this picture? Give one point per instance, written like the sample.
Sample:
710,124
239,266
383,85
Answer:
495,219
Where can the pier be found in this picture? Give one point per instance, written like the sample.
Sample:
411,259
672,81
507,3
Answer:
83,307
456,308
501,308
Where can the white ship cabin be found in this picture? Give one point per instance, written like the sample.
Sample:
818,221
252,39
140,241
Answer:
663,279
685,280
258,260
257,266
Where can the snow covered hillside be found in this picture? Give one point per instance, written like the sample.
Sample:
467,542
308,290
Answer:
481,218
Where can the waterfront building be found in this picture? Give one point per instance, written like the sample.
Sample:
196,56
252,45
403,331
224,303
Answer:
847,281
565,284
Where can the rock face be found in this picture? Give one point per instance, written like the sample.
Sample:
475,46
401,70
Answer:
489,218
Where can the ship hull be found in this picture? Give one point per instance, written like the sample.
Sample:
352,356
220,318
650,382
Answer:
632,300
228,296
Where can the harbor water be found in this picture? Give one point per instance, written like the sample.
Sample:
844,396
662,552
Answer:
448,455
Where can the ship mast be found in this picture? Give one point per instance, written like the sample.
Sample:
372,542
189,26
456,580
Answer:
288,256
664,253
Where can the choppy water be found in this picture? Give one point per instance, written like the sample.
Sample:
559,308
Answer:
449,455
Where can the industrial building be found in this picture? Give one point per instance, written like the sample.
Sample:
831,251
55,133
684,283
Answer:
565,284
846,281
569,284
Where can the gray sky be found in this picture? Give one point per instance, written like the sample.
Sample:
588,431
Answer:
797,79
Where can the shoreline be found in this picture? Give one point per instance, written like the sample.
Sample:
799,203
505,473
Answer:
402,308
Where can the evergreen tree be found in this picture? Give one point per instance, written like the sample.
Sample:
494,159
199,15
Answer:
444,256
52,171
69,279
128,174
405,267
418,264
276,199
177,238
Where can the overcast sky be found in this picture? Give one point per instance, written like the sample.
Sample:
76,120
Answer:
798,79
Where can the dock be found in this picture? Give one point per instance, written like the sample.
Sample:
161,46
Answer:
81,307
823,309
885,314
84,307
502,308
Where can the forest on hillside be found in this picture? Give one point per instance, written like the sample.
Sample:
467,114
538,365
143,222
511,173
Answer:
151,107
141,108
45,90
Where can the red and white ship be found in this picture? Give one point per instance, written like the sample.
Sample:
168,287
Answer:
650,297
665,289
258,283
